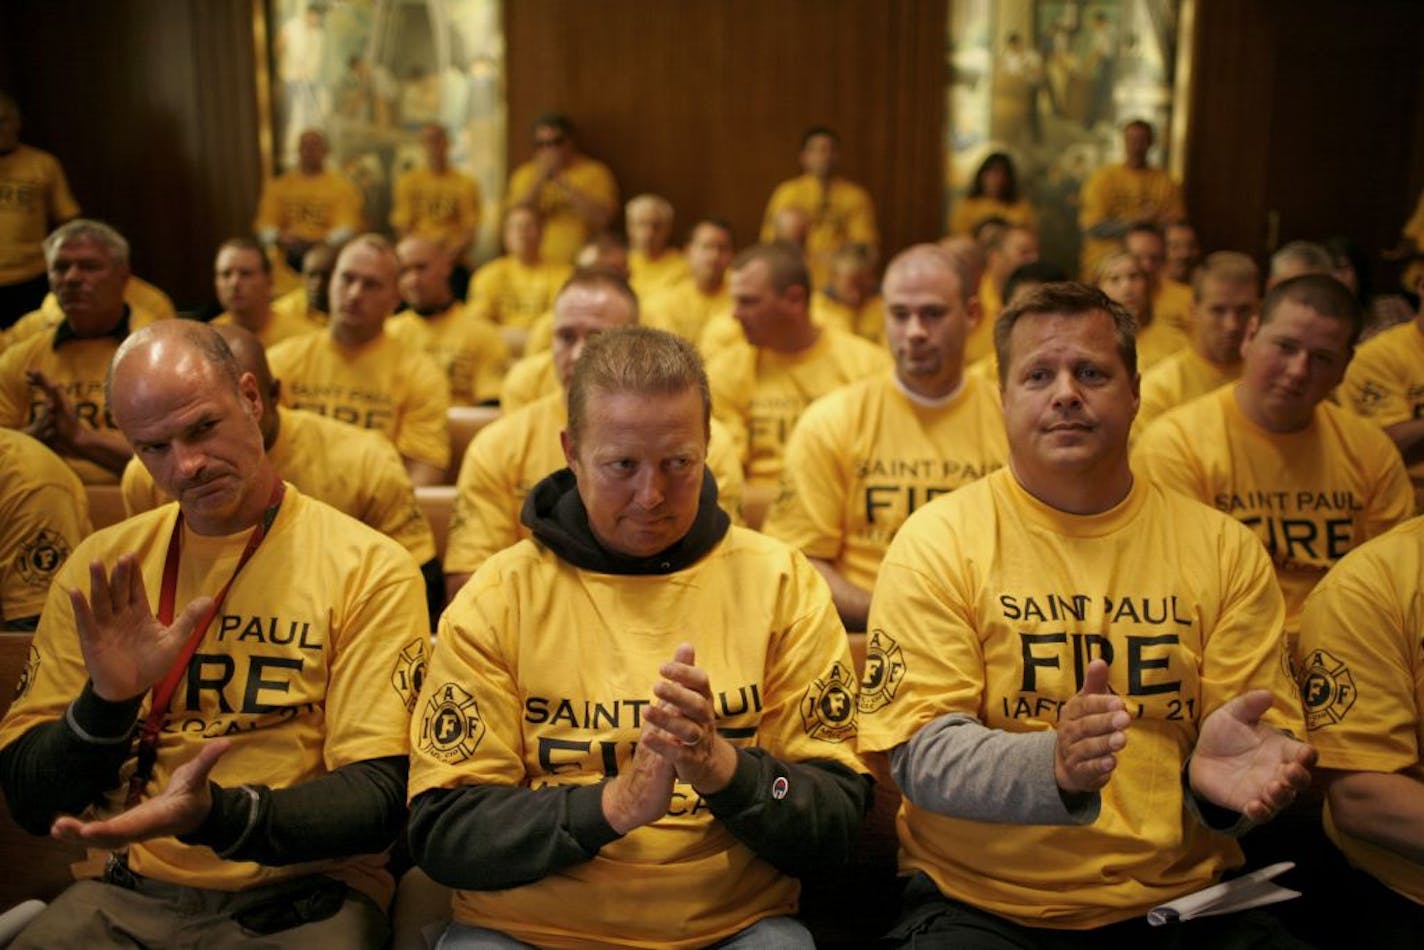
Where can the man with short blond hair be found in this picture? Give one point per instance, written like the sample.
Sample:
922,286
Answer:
242,278
653,264
687,307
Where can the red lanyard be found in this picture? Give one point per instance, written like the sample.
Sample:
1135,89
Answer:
163,691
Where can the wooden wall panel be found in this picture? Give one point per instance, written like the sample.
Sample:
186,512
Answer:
705,101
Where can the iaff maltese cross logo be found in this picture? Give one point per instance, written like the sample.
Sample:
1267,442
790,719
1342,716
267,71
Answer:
828,707
1326,688
884,669
40,558
409,672
452,728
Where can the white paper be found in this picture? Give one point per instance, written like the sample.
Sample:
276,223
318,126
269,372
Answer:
1249,890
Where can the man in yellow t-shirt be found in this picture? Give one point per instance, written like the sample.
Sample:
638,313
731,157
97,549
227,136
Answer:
761,385
1010,248
1361,663
1183,251
308,205
1171,300
1119,195
575,195
1312,480
849,299
356,373
513,291
1078,676
52,382
863,458
468,348
438,202
689,305
510,455
242,277
1226,297
44,513
653,263
837,211
550,787
34,197
357,472
1297,259
312,300
295,703
1385,384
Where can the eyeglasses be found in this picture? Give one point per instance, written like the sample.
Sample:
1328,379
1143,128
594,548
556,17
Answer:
554,142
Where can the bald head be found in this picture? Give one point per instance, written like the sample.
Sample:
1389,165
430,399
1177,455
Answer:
363,289
168,347
424,274
931,259
251,358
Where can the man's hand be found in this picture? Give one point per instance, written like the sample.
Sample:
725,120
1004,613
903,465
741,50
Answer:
686,733
126,649
1092,727
57,425
1246,766
178,809
641,794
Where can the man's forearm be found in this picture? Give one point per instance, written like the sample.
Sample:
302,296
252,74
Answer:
1383,808
357,809
108,449
959,767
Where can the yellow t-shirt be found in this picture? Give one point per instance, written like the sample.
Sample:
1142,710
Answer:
556,710
685,310
442,207
969,212
991,604
1414,230
294,303
470,350
359,473
979,344
840,212
34,197
1361,663
1125,195
1310,496
1385,384
565,230
44,513
77,368
529,379
508,457
759,393
312,207
512,294
281,325
304,676
867,321
722,332
648,277
1157,341
863,458
1178,379
1172,304
385,385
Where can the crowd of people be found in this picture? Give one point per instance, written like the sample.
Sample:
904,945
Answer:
1100,576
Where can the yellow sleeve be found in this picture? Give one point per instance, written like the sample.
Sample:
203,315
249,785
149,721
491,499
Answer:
486,513
731,392
809,511
781,197
1093,206
961,218
860,219
726,468
138,490
402,213
424,434
1372,391
1163,454
466,729
1356,659
522,384
390,506
380,643
14,388
62,205
1393,500
41,521
541,335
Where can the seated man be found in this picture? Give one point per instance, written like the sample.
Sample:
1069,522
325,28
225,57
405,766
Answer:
242,277
515,290
52,382
676,818
308,205
312,300
293,693
837,211
1077,675
863,458
653,263
509,456
1226,296
761,385
849,300
468,348
43,514
689,305
1385,384
1171,299
357,374
1311,479
1122,278
1117,195
1183,251
356,471
438,202
575,195
1006,249
1362,683
1297,259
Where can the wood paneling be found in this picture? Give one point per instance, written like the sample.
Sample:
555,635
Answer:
705,101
